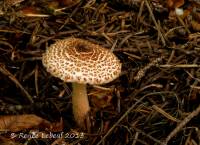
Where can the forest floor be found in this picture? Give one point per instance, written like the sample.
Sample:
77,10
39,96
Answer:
156,99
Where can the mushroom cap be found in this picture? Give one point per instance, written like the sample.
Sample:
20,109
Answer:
81,61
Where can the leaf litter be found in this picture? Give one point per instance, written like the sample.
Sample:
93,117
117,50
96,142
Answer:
154,101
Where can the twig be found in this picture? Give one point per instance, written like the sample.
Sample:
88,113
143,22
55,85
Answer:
181,125
179,66
140,12
154,20
124,40
167,115
36,80
182,23
142,71
147,135
120,119
133,56
12,77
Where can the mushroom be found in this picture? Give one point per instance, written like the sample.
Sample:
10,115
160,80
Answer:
81,62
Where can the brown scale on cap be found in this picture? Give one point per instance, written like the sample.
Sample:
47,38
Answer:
78,60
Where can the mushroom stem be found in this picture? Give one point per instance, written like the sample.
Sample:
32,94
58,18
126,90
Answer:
80,103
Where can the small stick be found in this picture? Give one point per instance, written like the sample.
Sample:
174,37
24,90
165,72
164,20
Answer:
182,23
140,12
154,20
179,66
12,77
167,115
36,80
147,135
120,119
141,72
181,125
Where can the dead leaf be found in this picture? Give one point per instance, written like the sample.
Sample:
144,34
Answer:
172,4
60,4
101,99
16,123
8,141
60,141
195,25
31,12
66,2
57,126
182,9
